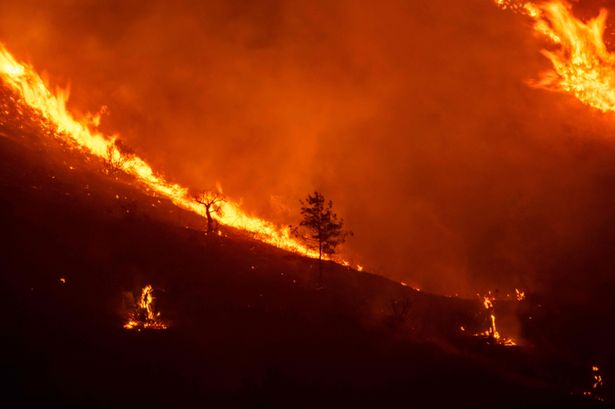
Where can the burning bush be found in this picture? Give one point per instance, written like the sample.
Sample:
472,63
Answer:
145,315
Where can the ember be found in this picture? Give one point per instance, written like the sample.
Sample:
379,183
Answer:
597,386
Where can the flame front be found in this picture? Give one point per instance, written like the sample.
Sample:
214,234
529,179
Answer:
582,64
35,93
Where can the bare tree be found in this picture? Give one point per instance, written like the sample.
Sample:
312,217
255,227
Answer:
320,228
211,202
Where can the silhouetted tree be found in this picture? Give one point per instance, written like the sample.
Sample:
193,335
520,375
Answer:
322,230
211,202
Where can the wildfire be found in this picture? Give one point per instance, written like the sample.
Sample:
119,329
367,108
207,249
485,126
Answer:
144,316
582,64
35,93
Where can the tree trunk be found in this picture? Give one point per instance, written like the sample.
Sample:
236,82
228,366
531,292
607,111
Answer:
209,220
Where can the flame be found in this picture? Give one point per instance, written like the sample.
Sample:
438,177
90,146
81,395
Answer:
582,64
145,317
519,294
35,93
492,333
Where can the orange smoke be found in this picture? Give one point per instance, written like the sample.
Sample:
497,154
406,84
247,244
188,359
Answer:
582,65
35,93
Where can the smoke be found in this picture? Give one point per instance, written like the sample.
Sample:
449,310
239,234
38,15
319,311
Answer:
414,117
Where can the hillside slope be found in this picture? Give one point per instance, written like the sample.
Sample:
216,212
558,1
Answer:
248,327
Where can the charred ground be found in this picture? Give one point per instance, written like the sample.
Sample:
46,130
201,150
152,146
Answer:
248,326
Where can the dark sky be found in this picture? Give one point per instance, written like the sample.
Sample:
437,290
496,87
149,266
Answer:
415,117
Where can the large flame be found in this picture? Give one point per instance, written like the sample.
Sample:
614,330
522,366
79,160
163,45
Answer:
34,92
582,64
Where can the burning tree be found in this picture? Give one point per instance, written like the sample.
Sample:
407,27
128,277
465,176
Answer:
491,333
320,228
145,315
211,202
117,156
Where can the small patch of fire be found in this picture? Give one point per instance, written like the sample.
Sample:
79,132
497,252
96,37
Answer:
491,334
597,387
145,315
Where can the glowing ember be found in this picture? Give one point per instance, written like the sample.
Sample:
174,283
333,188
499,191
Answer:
582,65
519,295
35,93
597,386
145,316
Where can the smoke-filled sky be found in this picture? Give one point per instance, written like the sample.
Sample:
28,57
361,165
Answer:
415,117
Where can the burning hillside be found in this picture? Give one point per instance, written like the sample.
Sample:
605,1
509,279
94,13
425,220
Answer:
270,102
231,308
477,162
35,93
